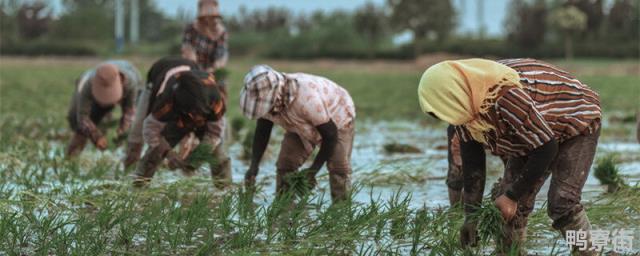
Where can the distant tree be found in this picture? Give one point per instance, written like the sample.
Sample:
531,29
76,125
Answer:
155,26
623,20
423,18
33,20
85,20
372,23
569,21
526,27
594,10
262,20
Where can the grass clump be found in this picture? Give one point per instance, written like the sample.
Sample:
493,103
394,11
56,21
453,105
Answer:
608,173
391,148
202,154
490,222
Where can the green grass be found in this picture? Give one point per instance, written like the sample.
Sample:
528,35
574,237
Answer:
50,205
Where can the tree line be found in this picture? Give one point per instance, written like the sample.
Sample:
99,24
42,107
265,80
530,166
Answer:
534,28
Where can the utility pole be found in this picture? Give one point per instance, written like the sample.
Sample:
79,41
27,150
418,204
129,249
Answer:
134,21
119,25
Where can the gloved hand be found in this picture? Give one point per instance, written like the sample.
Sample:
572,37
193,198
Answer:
469,234
133,154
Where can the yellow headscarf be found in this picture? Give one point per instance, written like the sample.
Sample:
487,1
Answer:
457,91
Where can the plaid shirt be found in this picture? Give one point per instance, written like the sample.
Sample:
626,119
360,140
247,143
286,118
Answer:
207,50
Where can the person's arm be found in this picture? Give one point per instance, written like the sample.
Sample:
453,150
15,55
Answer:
329,133
260,143
213,132
86,126
474,171
474,175
128,111
187,43
222,52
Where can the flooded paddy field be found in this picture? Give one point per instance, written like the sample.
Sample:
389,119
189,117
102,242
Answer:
53,206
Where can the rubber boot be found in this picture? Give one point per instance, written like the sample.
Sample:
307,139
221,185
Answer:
579,221
76,145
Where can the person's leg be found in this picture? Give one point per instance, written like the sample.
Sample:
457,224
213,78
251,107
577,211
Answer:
339,165
153,157
292,156
76,145
221,171
570,172
455,181
78,141
515,231
187,144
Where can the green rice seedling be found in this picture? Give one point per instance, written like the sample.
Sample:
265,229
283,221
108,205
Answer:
200,155
398,207
392,148
490,222
608,173
237,124
299,182
221,74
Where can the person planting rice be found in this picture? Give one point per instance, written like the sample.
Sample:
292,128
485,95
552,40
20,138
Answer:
97,92
314,111
205,40
543,119
179,99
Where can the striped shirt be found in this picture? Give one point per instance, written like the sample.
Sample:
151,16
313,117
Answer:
552,104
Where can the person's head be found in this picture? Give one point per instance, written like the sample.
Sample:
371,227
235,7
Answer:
197,97
106,85
208,12
460,91
265,92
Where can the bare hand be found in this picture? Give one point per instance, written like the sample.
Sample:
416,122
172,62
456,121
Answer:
250,177
507,207
101,144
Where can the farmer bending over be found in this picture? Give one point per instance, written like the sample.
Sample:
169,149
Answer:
97,92
314,111
179,99
543,119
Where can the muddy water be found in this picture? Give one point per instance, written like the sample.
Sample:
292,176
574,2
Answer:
423,174
380,174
